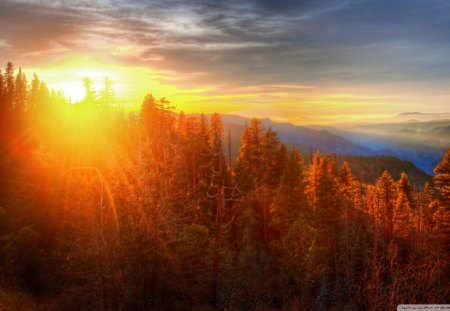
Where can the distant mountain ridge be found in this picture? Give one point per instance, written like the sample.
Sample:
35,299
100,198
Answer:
421,116
304,138
421,143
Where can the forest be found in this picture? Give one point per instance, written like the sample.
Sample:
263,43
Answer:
104,208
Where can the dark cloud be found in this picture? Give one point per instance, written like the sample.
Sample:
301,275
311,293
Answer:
249,42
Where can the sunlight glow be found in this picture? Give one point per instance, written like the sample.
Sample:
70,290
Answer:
73,91
131,84
67,75
297,103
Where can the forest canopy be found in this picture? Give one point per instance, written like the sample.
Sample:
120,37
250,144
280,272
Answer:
103,209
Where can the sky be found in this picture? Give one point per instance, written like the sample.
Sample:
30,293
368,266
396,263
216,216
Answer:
305,62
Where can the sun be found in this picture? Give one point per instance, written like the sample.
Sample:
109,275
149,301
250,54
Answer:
73,91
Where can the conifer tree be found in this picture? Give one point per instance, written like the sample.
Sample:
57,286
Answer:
269,158
203,130
107,96
281,159
349,188
245,163
89,96
216,135
181,125
403,208
442,179
387,194
218,183
372,202
21,91
326,201
2,88
34,92
9,86
428,207
201,163
349,184
256,132
3,107
149,116
43,98
313,180
442,183
290,200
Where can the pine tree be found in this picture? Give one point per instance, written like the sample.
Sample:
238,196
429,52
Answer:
442,183
149,116
216,134
21,92
245,164
290,200
3,107
107,96
9,86
43,98
256,131
89,96
442,179
34,92
201,158
349,189
269,158
349,184
282,158
326,201
181,125
313,180
372,202
218,183
386,190
2,89
203,130
403,208
428,207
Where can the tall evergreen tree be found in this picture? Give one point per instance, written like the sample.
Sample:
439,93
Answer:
9,86
245,163
34,92
149,116
256,131
269,158
442,183
326,201
43,97
442,178
290,200
21,91
349,184
2,88
387,194
216,134
107,96
181,125
349,188
427,208
313,179
89,96
403,207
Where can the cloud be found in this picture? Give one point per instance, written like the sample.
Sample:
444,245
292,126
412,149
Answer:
233,45
29,27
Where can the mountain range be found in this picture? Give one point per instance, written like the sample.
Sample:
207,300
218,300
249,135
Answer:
421,142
